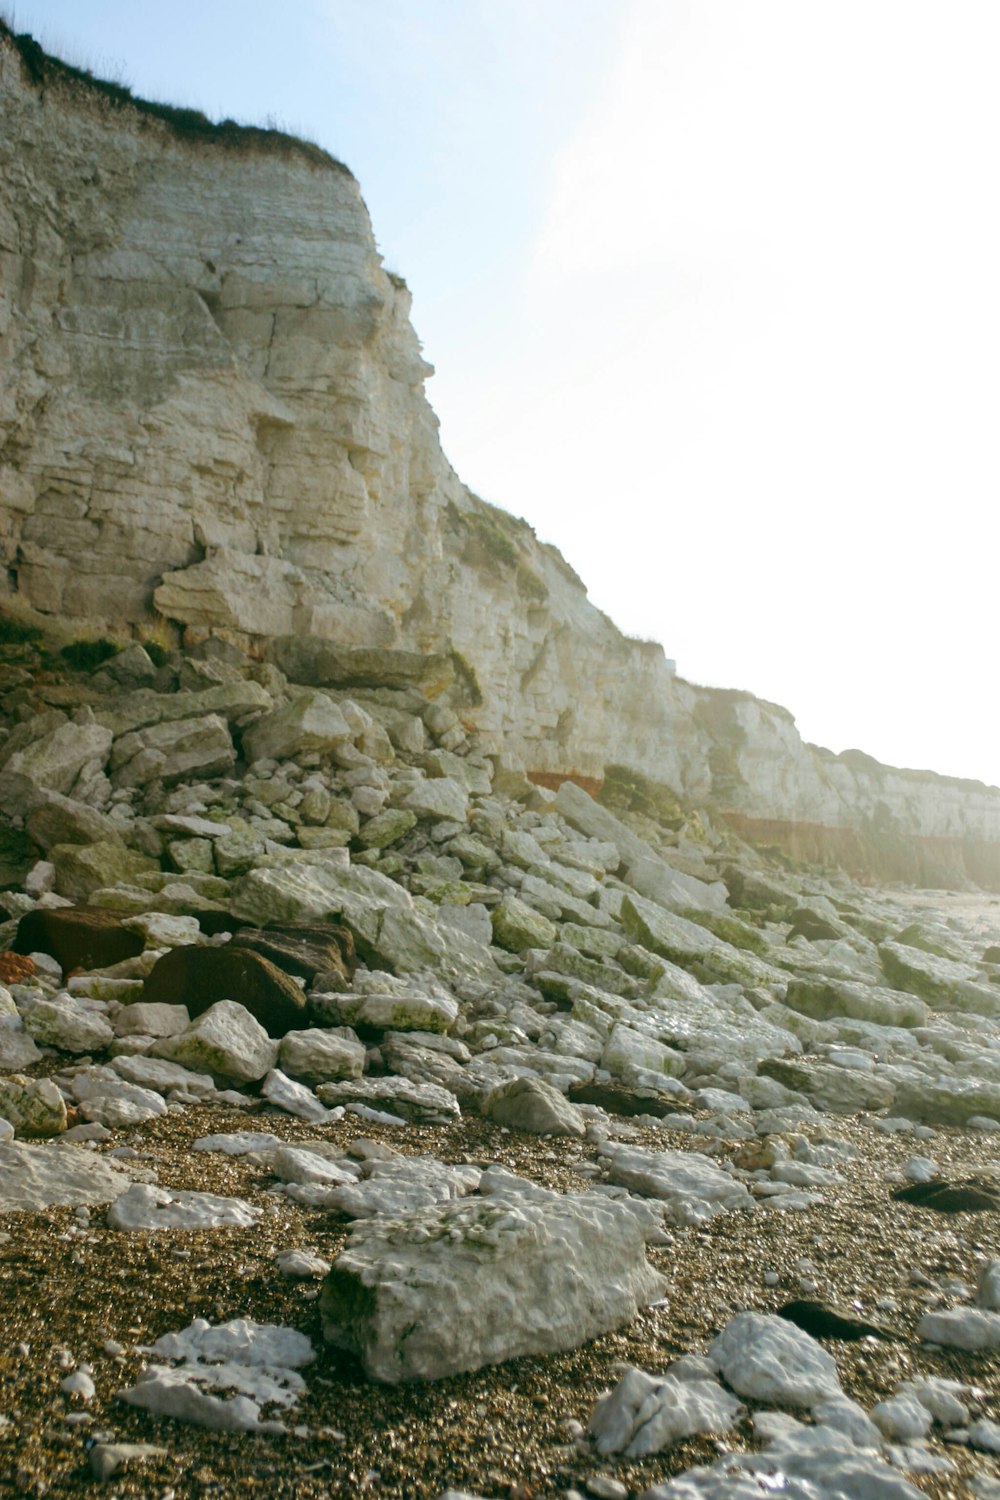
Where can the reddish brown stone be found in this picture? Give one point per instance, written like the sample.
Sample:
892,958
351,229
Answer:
15,968
553,780
197,977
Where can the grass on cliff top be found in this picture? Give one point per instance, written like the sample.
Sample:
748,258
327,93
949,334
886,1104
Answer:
185,124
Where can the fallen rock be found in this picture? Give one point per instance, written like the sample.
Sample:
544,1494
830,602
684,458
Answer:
64,1024
533,1105
82,869
55,819
942,982
34,1106
52,761
301,1264
961,1328
15,968
197,977
404,1008
144,1019
439,798
843,1091
821,1320
402,1185
646,1413
157,1074
173,751
951,1197
294,1098
422,1103
517,926
618,1100
145,1207
77,937
321,954
310,722
693,1188
988,1285
17,1048
472,1283
826,1000
54,1176
108,1458
326,664
322,1055
768,1359
227,1042
253,1364
126,1105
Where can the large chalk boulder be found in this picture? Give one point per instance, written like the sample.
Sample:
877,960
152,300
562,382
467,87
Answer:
226,1042
476,1282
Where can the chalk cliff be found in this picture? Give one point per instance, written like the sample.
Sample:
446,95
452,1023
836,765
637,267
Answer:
212,418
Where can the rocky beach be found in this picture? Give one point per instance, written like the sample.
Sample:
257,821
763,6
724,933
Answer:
444,1054
448,1104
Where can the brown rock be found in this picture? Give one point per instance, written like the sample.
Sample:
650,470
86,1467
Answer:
77,937
309,951
618,1100
197,977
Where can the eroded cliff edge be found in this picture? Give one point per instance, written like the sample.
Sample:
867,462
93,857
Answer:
212,418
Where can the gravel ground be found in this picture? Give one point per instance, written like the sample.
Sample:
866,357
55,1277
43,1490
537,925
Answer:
500,1432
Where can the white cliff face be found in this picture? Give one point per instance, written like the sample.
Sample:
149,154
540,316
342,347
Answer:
212,414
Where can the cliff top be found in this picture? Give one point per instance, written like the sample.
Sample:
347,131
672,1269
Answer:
189,125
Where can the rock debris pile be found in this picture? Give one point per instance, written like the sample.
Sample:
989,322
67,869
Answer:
479,1072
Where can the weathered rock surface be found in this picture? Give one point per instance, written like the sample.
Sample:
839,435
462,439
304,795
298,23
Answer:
33,1177
476,1282
34,1107
225,1041
533,1105
767,1359
198,977
77,937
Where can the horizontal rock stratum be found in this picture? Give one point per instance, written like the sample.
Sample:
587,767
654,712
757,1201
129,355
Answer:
212,418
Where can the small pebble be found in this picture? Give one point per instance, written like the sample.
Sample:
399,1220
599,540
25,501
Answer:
603,1487
79,1384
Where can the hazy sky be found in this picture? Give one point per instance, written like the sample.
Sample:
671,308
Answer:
713,292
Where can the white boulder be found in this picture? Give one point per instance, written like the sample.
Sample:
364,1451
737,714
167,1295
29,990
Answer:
646,1413
477,1282
768,1359
226,1041
145,1207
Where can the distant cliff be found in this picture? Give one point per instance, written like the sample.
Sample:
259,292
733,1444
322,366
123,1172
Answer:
212,418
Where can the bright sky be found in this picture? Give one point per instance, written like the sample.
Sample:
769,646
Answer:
712,290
